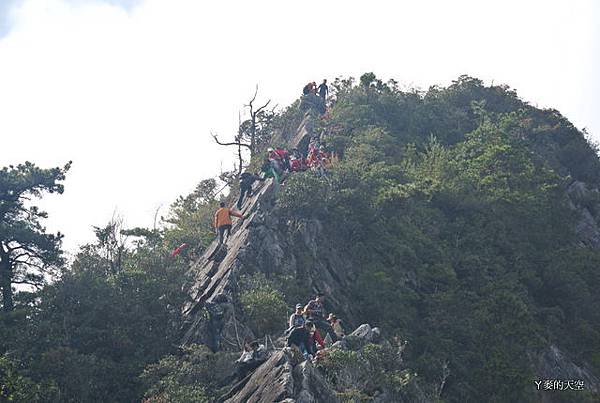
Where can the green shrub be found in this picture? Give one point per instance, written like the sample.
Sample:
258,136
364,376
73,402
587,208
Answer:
263,305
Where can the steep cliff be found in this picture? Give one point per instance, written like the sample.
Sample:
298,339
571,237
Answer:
266,243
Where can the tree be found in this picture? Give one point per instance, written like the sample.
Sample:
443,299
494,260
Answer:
109,251
27,252
253,131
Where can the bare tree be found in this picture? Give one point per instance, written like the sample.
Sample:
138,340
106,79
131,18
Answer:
251,132
257,117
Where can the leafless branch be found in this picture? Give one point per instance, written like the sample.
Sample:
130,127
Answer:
36,284
263,107
235,143
253,98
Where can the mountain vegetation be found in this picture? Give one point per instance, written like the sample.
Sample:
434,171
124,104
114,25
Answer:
452,203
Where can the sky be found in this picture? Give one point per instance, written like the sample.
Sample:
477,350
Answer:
130,90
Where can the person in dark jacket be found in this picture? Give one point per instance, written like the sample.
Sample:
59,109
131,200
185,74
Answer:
306,89
247,179
301,338
323,90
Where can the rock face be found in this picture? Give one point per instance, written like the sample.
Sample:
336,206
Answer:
586,202
271,382
283,379
286,377
264,243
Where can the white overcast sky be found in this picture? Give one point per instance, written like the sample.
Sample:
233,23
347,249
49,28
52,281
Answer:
131,89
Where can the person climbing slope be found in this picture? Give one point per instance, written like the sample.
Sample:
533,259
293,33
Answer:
269,170
300,337
283,156
314,338
223,221
275,160
247,179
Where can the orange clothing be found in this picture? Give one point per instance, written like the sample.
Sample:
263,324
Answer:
223,216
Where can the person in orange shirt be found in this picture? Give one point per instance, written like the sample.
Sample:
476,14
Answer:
223,221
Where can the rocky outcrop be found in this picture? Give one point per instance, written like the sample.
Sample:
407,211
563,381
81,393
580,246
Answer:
271,382
586,202
287,377
283,378
265,243
312,102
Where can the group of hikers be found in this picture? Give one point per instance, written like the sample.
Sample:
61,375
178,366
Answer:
311,88
278,162
308,329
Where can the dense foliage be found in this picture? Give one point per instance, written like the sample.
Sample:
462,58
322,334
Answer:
454,203
113,311
27,252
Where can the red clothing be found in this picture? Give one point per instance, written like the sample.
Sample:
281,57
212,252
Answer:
279,155
317,157
282,153
316,336
297,165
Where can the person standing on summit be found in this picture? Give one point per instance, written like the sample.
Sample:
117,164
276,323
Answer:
323,90
223,221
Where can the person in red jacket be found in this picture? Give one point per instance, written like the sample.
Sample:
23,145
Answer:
314,338
223,222
281,156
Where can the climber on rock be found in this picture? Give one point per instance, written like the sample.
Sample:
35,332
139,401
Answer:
223,222
281,157
284,157
300,337
275,161
306,89
247,179
318,160
316,313
297,162
314,338
270,171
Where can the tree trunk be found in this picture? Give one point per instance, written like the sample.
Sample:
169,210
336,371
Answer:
252,134
5,283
